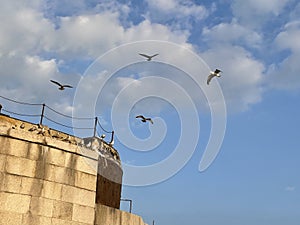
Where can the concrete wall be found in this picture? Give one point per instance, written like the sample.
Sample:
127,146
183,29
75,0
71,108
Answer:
48,178
109,183
111,216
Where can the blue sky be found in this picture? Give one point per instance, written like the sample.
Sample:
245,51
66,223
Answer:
94,45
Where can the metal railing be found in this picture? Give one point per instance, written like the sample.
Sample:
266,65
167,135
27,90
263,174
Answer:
45,115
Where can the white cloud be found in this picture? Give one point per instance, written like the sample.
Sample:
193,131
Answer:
232,33
241,79
149,31
256,12
92,35
177,12
32,47
242,76
289,37
285,74
180,8
86,35
23,29
65,8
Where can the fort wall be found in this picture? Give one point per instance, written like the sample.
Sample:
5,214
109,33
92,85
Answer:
51,178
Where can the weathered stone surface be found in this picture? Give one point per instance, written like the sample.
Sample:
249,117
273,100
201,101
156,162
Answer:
20,166
85,180
2,162
31,186
107,215
14,202
7,218
55,157
52,190
78,196
10,183
87,165
59,174
63,210
36,220
47,180
14,148
35,151
109,183
41,206
83,214
56,221
128,218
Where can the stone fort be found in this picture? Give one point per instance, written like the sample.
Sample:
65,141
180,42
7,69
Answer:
48,177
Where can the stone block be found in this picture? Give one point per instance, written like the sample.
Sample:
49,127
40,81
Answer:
85,180
10,183
78,223
15,148
35,151
41,206
40,169
3,141
107,215
2,162
59,174
55,157
20,166
31,186
52,190
81,163
128,218
78,196
83,214
1,178
8,218
36,220
56,221
62,210
14,202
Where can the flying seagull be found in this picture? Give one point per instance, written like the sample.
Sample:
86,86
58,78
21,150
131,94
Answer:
212,74
61,86
143,119
149,57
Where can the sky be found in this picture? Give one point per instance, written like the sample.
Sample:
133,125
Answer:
224,153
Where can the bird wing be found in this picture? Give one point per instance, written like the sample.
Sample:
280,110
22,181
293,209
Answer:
55,82
153,55
68,86
217,71
140,116
209,78
151,121
147,56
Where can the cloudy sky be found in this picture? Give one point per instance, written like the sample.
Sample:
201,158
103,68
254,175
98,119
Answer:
243,125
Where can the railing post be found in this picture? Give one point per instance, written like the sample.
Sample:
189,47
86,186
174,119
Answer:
112,137
130,203
95,126
130,206
42,116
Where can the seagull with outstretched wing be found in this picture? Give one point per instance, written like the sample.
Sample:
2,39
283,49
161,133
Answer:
213,74
149,57
61,86
143,119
